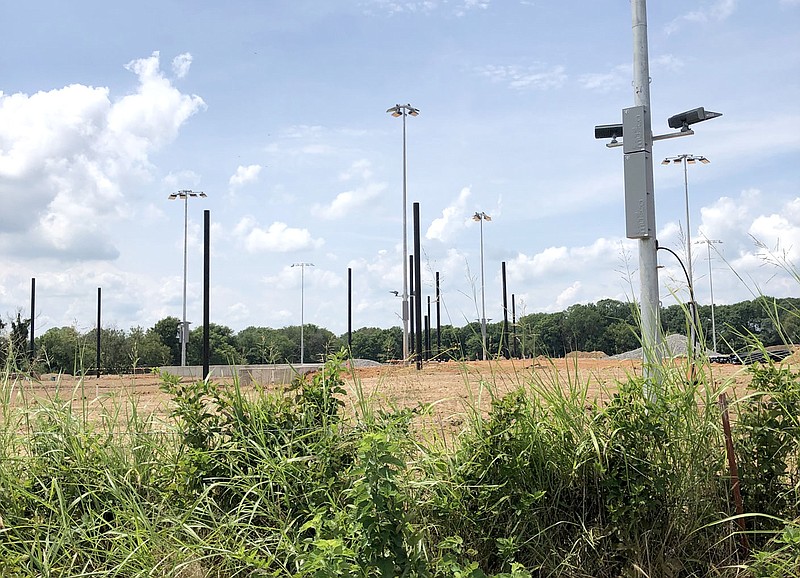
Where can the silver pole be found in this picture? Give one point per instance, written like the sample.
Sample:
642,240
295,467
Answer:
688,226
483,300
711,289
185,273
692,305
648,263
404,110
302,320
405,248
302,307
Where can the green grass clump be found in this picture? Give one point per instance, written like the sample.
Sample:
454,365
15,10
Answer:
549,482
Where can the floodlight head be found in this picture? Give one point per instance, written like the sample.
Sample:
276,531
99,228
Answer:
612,131
412,111
684,119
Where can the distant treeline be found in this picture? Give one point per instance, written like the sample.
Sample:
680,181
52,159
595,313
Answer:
609,326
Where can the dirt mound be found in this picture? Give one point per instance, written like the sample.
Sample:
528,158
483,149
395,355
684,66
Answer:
586,355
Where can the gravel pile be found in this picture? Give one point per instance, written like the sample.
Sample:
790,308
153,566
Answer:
365,363
675,345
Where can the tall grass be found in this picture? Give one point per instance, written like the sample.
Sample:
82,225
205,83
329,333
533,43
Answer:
549,482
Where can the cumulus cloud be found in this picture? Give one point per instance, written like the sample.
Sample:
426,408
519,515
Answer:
244,175
348,201
277,238
68,155
453,218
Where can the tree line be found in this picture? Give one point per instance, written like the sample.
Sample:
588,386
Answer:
608,326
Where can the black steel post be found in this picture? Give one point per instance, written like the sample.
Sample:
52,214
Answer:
418,284
206,291
97,359
32,348
350,311
504,341
411,340
438,320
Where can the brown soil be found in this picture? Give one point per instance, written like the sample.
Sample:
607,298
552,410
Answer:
450,387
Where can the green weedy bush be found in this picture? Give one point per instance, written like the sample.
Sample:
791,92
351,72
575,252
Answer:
767,435
781,557
553,481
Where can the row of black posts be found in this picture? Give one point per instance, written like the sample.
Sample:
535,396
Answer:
420,325
206,303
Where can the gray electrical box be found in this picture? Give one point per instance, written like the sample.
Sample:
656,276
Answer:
640,212
636,128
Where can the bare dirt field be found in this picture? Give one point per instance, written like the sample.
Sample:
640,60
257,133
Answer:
450,386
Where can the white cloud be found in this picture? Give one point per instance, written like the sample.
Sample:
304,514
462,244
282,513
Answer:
181,64
244,175
277,238
616,78
716,11
521,78
70,154
347,202
452,220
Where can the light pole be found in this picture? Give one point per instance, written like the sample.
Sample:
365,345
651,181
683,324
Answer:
685,160
184,195
639,191
708,243
404,110
302,322
481,217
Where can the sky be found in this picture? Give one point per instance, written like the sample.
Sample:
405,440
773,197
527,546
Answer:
277,111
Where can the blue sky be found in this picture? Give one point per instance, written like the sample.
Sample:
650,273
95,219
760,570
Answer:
277,111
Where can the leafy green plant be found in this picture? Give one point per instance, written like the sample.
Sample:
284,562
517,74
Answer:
768,445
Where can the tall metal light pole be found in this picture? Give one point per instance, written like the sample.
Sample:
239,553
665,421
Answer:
184,195
404,110
302,321
685,160
708,243
640,213
481,217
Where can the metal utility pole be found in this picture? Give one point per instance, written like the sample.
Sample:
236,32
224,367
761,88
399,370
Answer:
404,110
648,261
302,297
686,160
184,195
708,243
481,217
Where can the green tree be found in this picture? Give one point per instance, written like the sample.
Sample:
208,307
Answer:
62,350
260,345
223,346
167,331
146,349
